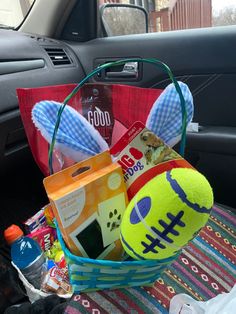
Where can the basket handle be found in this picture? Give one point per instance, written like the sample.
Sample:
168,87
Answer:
155,62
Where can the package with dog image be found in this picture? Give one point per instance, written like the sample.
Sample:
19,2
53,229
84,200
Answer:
142,156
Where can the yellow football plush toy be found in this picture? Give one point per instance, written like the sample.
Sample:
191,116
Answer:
166,214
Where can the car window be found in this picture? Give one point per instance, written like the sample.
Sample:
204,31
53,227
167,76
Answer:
13,12
167,15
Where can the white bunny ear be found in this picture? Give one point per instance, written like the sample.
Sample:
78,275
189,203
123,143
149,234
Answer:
165,117
76,138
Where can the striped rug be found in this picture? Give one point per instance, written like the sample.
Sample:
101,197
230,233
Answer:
205,268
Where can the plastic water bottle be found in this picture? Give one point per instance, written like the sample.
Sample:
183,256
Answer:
26,254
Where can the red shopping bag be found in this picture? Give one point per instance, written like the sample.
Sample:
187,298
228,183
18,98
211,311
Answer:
111,109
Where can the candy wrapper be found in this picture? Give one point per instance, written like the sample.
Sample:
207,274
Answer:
56,280
49,215
45,236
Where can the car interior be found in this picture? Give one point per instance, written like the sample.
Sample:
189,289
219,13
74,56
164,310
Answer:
202,58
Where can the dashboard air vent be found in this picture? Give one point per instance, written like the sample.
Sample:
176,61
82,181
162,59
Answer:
58,56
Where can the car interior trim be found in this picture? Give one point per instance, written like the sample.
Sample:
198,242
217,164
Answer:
20,66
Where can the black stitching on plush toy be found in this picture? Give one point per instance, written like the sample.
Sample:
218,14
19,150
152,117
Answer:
168,228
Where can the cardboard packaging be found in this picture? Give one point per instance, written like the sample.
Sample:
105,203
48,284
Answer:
142,156
35,222
88,200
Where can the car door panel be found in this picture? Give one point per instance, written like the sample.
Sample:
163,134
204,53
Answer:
205,60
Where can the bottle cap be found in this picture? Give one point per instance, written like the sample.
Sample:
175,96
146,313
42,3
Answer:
12,233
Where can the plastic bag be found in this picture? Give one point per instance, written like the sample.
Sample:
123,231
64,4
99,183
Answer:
224,303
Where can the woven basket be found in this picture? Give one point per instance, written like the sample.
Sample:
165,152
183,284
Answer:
87,274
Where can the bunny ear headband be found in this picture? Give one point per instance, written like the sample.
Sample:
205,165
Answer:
165,117
77,139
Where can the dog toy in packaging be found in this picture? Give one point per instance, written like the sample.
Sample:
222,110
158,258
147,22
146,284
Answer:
142,156
166,214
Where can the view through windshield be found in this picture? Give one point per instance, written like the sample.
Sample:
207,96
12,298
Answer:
12,12
164,15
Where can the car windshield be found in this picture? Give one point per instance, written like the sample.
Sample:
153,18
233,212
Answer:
13,12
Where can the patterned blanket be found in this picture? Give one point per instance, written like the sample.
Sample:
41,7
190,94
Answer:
205,268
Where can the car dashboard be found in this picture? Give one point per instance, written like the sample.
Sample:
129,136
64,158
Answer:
28,61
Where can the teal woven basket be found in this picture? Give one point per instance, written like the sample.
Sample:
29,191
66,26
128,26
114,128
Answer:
87,274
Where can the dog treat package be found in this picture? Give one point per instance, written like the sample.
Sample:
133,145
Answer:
88,200
142,156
